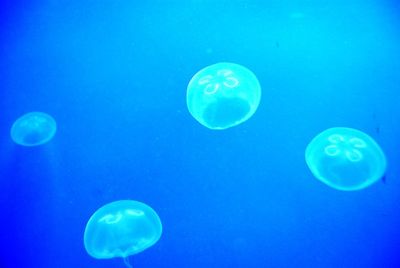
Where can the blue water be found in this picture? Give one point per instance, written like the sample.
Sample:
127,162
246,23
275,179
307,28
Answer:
113,74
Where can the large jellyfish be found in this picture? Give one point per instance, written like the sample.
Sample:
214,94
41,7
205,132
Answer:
33,129
120,229
345,159
223,95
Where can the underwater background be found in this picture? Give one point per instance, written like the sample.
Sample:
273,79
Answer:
114,74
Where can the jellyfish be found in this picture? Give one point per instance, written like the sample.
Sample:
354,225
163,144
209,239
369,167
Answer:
345,159
121,229
223,95
32,129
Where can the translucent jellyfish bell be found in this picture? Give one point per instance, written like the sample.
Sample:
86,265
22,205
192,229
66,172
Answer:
345,159
120,229
33,129
223,95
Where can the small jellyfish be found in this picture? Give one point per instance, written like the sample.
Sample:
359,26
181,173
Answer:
32,129
223,95
345,159
120,229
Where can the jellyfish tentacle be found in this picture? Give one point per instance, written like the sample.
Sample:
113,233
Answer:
127,262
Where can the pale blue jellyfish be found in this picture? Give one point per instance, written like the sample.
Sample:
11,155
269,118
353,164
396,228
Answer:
33,129
120,229
345,159
223,95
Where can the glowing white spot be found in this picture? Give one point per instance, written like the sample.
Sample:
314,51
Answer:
224,72
111,218
332,150
134,212
358,143
354,155
231,82
336,138
204,80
